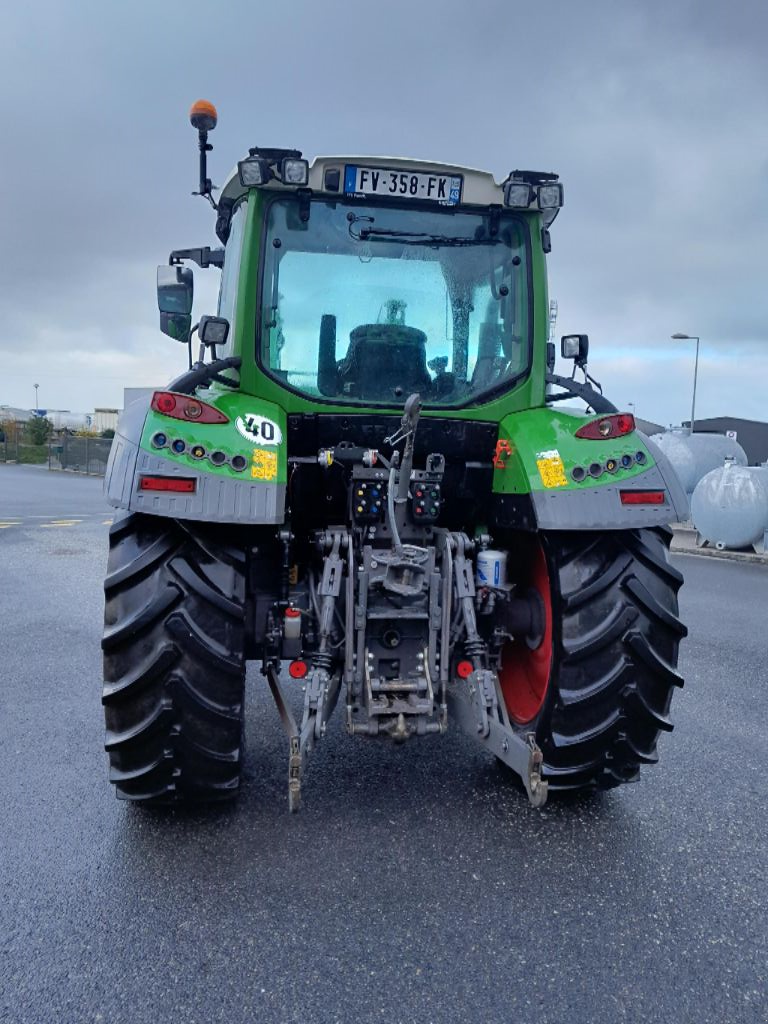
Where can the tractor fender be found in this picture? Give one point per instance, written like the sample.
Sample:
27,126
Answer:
253,495
537,481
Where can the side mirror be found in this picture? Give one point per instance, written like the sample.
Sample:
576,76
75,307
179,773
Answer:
576,347
176,326
175,289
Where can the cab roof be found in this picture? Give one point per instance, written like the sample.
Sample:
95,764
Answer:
478,189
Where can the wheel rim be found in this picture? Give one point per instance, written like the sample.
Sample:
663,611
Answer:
524,673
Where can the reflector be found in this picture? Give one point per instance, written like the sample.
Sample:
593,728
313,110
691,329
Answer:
642,497
181,484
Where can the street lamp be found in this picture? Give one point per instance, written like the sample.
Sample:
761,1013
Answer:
35,386
691,337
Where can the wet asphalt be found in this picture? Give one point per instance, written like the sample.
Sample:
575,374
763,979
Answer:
415,884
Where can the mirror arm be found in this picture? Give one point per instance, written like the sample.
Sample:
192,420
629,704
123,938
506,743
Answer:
204,257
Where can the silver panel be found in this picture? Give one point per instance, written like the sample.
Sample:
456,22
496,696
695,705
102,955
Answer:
216,500
600,508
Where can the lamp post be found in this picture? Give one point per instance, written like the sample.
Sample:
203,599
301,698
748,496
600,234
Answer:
35,386
691,337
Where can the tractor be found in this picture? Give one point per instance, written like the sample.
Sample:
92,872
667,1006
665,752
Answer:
368,484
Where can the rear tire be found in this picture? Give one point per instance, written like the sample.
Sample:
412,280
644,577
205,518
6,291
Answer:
614,637
174,666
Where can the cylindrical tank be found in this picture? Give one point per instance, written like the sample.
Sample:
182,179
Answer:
729,507
694,455
680,456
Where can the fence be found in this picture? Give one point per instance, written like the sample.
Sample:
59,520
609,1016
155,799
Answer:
80,454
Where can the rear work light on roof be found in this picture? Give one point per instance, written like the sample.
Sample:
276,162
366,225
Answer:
254,171
607,427
294,171
643,497
182,407
179,484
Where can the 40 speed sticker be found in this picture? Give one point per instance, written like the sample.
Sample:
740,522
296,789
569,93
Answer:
259,429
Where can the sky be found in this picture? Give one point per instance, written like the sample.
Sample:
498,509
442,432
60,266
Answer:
653,113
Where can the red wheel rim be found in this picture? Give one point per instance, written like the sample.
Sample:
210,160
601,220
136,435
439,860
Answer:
524,674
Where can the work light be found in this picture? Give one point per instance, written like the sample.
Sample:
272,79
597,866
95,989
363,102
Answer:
518,195
253,171
550,196
294,172
213,330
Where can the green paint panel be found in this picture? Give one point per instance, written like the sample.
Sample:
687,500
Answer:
257,431
544,451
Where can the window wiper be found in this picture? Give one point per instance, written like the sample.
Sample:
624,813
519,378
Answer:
365,234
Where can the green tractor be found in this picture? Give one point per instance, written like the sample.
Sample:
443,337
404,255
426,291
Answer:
367,483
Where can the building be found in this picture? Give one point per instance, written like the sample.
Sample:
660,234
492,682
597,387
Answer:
752,435
10,414
105,419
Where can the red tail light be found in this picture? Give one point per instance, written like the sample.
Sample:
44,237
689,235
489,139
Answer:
184,407
643,497
607,427
181,484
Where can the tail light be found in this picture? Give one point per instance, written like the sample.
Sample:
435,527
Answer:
183,407
642,497
607,427
179,484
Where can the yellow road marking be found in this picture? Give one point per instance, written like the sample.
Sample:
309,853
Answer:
107,522
63,522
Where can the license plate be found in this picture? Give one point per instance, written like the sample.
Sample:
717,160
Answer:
382,181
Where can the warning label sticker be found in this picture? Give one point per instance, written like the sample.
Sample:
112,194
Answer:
551,469
264,465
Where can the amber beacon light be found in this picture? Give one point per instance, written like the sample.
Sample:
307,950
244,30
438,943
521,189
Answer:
203,116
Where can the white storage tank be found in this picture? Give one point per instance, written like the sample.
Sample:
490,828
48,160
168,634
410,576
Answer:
729,507
694,455
680,456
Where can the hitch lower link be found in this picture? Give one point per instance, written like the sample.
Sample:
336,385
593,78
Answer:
477,702
320,697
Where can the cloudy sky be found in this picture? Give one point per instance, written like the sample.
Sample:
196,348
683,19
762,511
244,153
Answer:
653,113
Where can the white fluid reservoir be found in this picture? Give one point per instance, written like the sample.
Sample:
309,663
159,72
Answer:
729,507
491,568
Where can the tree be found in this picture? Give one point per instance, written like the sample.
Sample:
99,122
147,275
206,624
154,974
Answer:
39,430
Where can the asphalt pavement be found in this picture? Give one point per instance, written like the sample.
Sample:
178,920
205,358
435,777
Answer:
416,884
